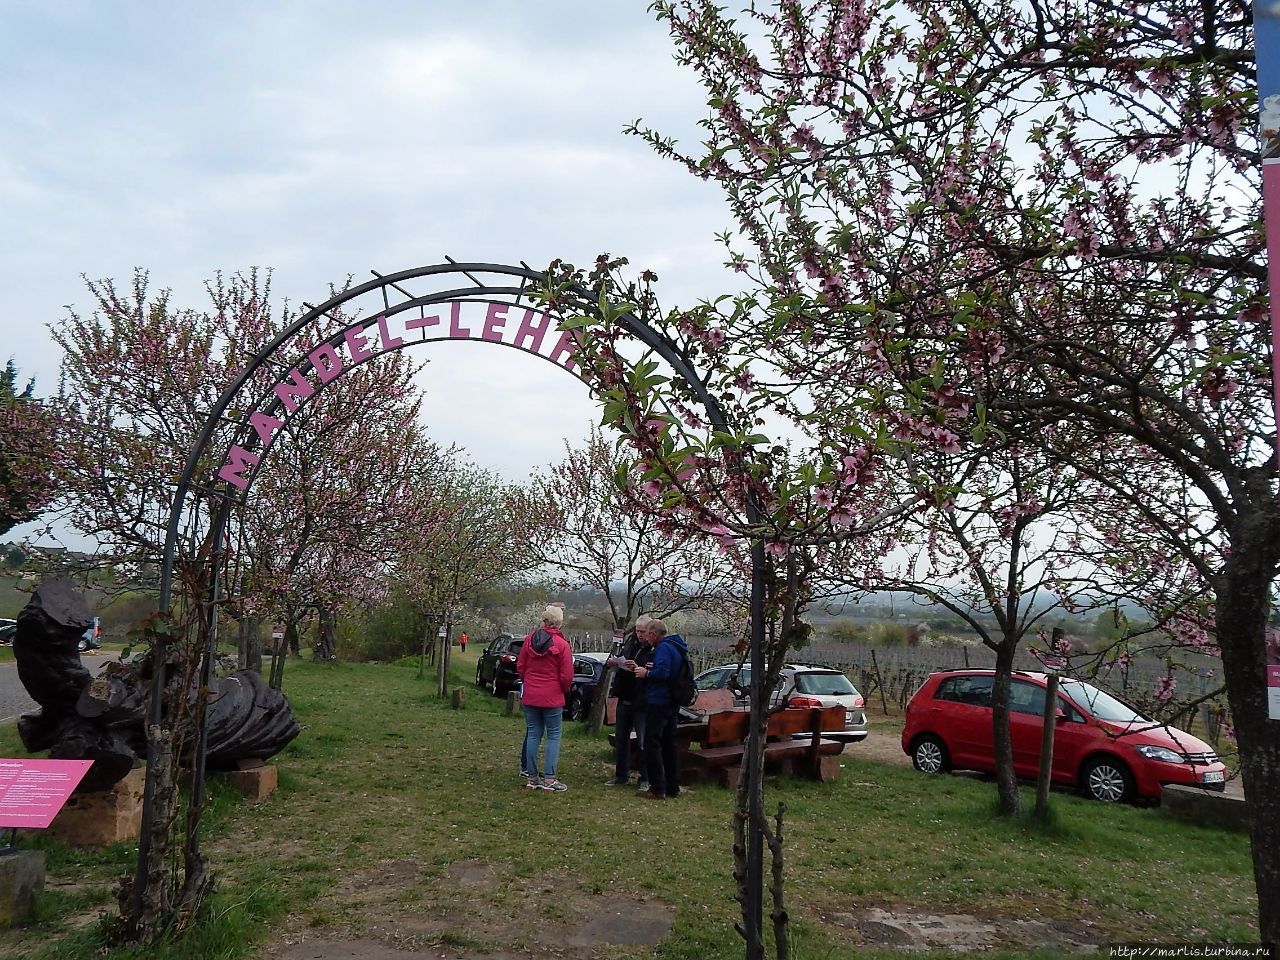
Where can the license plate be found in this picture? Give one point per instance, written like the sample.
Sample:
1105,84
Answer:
1213,777
848,717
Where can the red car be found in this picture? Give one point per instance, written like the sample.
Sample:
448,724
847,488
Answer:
1101,744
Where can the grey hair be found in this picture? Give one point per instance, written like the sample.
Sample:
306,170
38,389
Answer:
553,616
659,626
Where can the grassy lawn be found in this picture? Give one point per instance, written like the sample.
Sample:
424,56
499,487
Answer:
402,820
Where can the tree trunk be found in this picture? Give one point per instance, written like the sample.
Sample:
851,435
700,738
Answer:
1242,592
291,637
326,647
155,899
251,643
1008,802
599,705
442,672
422,653
279,652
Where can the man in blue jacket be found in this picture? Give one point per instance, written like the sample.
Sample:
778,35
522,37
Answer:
661,714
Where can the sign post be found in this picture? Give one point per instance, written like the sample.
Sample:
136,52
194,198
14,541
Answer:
1266,26
1266,32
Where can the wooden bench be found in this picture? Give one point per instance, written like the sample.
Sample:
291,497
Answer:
724,743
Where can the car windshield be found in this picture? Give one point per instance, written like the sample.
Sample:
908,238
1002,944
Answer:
824,684
1101,705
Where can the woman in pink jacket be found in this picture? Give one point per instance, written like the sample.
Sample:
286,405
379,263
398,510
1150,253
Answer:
545,666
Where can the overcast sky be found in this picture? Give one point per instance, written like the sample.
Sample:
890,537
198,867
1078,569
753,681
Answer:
324,139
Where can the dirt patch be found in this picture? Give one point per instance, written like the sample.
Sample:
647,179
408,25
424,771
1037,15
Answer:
400,909
880,747
916,928
472,873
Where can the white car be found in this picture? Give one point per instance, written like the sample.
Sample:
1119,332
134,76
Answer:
800,685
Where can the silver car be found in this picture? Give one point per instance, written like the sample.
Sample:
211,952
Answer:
799,685
824,687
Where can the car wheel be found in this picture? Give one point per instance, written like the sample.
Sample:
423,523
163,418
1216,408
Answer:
1108,780
575,709
479,679
929,755
493,686
83,645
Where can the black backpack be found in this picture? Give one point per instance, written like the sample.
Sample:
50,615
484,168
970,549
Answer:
683,691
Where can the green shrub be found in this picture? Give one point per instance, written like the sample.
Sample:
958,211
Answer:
888,634
382,634
847,631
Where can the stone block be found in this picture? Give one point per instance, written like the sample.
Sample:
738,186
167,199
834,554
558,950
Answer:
254,783
103,818
21,880
1206,807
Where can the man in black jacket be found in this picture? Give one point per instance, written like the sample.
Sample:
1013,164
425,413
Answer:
631,704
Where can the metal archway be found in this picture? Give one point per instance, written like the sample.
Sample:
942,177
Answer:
343,336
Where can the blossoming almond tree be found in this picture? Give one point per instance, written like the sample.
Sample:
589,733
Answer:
331,508
690,418
139,377
989,544
470,543
588,521
945,190
28,452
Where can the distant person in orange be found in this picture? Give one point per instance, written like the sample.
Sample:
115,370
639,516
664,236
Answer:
462,642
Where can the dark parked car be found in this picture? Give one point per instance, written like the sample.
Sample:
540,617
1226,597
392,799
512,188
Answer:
1100,744
588,668
7,629
496,668
91,639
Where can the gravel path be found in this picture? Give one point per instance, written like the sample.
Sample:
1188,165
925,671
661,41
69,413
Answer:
14,700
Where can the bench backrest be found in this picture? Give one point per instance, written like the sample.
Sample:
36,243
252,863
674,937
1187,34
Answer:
732,726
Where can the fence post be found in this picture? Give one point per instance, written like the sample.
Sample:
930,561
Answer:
884,707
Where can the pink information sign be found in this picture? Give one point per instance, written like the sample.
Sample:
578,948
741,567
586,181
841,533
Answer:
1273,691
33,791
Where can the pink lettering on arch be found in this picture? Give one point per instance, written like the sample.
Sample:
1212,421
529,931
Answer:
494,320
388,341
239,460
266,426
532,331
291,393
326,361
421,323
456,329
357,344
567,344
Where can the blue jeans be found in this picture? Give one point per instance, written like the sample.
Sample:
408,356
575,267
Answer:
537,721
631,716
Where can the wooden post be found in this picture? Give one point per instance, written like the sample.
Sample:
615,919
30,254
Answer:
459,698
513,704
879,683
1046,747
